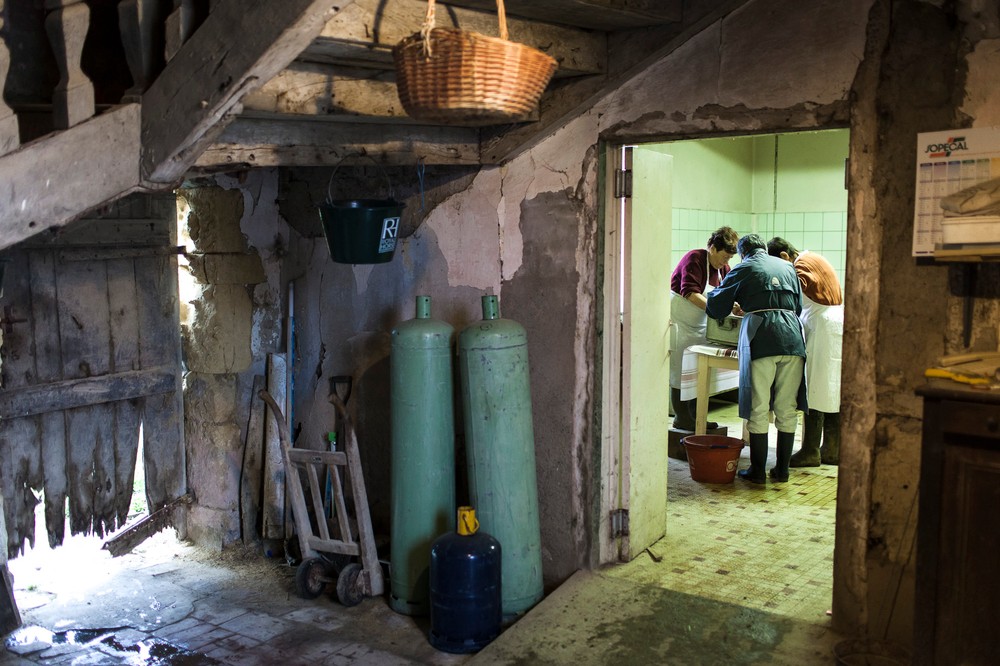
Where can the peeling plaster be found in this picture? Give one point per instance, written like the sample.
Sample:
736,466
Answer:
548,167
584,342
361,274
682,81
982,98
466,227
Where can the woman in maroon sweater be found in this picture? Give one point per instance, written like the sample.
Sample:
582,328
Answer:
698,272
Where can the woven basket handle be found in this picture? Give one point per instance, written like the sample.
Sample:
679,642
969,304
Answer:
425,30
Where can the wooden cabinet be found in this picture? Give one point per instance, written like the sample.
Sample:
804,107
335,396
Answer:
957,614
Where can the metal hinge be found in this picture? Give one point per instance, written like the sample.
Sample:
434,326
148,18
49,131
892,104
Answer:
619,523
623,184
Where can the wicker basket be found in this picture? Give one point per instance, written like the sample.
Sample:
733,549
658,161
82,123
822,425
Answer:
451,76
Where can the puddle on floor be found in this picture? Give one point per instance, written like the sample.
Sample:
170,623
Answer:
35,640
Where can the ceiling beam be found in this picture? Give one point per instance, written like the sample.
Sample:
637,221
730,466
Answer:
259,142
241,44
317,90
606,15
364,34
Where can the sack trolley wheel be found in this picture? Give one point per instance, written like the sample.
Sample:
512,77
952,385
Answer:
311,578
349,585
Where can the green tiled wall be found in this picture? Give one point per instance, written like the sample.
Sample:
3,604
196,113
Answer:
691,228
825,233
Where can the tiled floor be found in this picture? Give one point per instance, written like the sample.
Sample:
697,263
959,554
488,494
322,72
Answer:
763,547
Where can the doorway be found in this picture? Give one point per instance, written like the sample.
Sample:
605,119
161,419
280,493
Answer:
712,539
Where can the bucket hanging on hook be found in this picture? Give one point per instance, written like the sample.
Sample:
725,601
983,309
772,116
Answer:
361,231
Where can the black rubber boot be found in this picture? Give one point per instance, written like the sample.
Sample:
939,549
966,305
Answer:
685,412
830,452
812,430
786,441
758,460
683,420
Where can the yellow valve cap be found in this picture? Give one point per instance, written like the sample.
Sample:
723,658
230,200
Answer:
467,523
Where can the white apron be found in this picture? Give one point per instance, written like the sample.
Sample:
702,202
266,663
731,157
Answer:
688,325
824,330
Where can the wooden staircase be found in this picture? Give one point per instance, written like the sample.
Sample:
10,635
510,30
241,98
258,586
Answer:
164,121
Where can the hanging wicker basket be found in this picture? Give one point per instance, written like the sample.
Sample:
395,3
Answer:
451,76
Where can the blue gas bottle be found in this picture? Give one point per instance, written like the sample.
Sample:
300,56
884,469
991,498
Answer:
465,590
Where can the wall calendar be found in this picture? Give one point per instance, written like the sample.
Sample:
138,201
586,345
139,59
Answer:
947,162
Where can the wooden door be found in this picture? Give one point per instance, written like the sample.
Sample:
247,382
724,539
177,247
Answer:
645,370
91,354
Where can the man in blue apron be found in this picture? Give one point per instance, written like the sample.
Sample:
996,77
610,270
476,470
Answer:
771,348
698,272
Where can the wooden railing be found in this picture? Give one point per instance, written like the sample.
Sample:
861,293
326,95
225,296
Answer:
150,34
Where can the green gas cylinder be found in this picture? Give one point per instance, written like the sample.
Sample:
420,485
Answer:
423,453
500,449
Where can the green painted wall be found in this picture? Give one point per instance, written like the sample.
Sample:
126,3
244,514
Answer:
712,174
810,172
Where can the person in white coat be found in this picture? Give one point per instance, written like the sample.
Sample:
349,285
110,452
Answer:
698,272
823,323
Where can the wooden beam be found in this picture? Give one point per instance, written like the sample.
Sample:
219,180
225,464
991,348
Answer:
630,53
317,90
322,92
51,181
71,393
131,536
604,15
241,44
364,34
268,143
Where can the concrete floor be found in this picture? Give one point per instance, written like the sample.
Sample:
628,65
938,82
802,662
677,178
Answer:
743,577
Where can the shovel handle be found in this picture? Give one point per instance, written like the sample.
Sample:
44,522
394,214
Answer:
338,381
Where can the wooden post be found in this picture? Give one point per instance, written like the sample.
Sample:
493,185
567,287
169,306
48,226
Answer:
9,136
73,99
253,453
274,469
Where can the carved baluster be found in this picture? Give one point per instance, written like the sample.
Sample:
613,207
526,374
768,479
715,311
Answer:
180,24
67,25
138,22
9,136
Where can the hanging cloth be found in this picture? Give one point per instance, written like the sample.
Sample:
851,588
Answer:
688,326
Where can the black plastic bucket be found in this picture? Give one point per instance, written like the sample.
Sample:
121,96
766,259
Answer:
361,231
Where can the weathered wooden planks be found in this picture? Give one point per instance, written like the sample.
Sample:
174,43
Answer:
193,99
48,368
50,181
124,319
48,397
20,460
84,331
74,384
266,143
162,415
594,14
365,32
